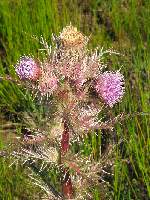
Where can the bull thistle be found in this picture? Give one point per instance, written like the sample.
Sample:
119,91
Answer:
76,86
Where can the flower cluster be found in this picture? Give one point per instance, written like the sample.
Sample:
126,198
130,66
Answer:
80,87
71,73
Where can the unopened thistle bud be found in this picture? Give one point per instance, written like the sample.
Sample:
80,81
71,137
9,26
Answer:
27,68
109,86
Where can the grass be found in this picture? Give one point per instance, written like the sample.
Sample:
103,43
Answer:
124,25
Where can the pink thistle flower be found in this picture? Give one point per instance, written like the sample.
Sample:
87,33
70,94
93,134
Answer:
72,71
109,86
48,83
27,68
78,76
65,70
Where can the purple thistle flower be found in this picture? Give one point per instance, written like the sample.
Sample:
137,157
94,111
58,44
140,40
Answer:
109,86
27,68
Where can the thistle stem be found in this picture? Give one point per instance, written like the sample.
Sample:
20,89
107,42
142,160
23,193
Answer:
67,188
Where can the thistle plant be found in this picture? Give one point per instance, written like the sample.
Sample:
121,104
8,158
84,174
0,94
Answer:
74,85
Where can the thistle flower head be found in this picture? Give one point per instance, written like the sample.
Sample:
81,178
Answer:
27,68
78,75
48,83
71,38
109,86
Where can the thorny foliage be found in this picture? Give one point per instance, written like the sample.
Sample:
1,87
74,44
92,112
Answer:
74,85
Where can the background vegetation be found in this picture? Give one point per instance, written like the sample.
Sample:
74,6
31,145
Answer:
121,24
